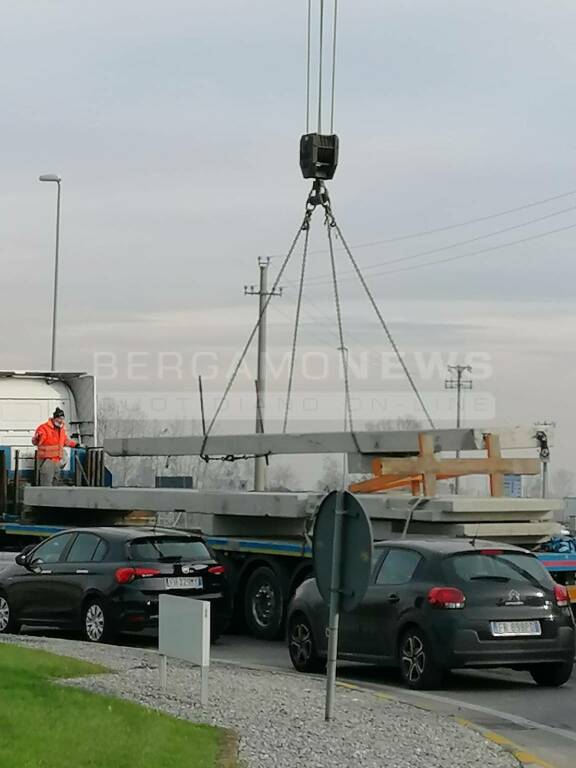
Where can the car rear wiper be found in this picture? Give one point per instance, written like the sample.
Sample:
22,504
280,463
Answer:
522,572
488,577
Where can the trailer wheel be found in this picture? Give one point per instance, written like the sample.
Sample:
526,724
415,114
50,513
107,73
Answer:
265,603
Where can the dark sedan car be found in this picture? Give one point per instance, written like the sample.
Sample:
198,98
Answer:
437,605
108,580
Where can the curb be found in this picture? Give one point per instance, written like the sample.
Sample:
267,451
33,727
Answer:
524,758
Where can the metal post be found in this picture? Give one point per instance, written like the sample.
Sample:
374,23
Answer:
16,483
163,672
545,479
56,265
334,618
204,685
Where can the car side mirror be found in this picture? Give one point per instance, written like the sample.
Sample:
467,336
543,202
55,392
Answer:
22,557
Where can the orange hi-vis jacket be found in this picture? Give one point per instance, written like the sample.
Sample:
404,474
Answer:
51,441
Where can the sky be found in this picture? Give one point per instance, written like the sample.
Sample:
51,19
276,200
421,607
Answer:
175,129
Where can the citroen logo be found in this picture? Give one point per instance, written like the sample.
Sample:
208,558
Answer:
514,598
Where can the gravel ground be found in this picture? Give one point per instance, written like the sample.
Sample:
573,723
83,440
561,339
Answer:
279,717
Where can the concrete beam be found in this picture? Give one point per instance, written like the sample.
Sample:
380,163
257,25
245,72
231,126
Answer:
371,443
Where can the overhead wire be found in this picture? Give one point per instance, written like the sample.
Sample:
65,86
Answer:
448,227
492,248
325,279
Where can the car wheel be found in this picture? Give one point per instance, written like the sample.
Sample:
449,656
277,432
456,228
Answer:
95,623
264,604
552,675
302,647
8,624
417,665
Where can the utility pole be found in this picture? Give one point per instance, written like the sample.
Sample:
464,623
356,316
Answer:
458,383
542,436
263,293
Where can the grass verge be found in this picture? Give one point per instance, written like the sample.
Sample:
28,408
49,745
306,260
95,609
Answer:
43,725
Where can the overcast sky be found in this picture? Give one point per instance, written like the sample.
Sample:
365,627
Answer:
175,128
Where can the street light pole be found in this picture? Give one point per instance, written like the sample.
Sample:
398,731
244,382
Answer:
56,179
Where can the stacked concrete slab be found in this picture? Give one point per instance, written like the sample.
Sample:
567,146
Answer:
242,514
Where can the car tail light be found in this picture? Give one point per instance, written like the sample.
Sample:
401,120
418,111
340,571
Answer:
446,597
217,570
561,595
126,575
492,552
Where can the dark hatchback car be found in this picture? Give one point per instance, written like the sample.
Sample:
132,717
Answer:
437,605
105,581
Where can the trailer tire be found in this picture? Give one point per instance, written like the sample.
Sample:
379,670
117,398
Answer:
265,598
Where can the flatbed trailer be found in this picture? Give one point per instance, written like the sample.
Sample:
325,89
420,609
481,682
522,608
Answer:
265,538
265,572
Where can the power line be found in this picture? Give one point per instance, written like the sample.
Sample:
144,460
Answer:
324,279
448,227
478,252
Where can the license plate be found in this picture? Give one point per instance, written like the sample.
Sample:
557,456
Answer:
516,628
184,582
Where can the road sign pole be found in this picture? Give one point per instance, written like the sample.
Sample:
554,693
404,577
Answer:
334,619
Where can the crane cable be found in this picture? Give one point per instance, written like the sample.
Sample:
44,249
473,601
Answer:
296,325
253,333
384,325
308,51
333,66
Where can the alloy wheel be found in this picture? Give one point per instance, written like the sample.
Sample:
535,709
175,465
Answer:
94,622
4,614
413,658
301,644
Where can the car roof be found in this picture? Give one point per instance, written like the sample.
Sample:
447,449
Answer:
126,532
447,546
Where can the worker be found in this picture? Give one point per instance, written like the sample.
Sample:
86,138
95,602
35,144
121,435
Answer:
50,438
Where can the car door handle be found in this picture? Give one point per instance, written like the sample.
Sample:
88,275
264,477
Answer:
82,571
393,598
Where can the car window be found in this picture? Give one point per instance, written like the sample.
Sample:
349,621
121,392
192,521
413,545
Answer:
51,551
169,549
478,566
398,567
100,552
83,548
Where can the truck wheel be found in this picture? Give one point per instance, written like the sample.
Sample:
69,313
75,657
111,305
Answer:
552,675
264,603
8,624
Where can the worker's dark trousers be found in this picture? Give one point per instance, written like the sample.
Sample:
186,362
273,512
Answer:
49,472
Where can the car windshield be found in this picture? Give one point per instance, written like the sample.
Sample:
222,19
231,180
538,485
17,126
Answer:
497,566
169,549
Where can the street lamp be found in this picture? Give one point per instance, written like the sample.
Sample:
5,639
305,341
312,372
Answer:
54,178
